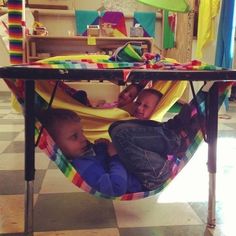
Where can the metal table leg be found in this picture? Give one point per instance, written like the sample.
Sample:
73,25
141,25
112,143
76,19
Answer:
212,129
29,155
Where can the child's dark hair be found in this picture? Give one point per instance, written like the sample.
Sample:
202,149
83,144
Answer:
50,118
138,86
82,97
155,92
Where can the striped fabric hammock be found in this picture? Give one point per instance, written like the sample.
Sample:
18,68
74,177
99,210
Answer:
106,117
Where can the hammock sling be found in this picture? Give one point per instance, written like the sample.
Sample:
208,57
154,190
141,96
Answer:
97,121
47,144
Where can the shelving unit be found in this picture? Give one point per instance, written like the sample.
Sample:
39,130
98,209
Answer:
38,47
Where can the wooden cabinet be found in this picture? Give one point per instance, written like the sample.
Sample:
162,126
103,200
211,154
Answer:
38,47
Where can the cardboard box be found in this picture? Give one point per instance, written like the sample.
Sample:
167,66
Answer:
107,29
93,30
136,31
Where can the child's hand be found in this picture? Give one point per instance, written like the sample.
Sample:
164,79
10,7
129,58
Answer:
111,150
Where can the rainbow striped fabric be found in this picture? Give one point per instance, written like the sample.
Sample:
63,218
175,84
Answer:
15,21
47,145
51,149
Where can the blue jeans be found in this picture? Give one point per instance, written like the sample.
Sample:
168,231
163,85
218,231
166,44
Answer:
143,146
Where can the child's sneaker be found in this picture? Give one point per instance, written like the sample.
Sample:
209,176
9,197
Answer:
180,120
186,124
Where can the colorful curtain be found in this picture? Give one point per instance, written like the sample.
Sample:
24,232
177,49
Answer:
116,21
84,18
208,10
16,34
225,40
226,33
169,29
147,20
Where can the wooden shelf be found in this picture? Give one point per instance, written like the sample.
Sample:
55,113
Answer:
46,46
39,47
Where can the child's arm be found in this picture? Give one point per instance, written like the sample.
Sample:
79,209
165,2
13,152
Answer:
114,181
110,179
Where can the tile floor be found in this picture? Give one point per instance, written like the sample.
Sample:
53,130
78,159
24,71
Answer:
61,209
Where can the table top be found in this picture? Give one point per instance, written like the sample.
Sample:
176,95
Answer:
34,73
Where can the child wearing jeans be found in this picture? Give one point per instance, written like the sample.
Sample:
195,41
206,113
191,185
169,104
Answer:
144,145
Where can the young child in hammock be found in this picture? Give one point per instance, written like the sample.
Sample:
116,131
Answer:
98,164
144,145
146,103
125,98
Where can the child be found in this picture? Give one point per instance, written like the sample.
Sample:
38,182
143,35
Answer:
125,98
128,95
146,103
82,97
98,164
144,145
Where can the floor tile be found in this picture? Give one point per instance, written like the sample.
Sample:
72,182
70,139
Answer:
12,213
232,126
223,230
8,136
15,116
4,145
15,147
147,213
52,165
11,128
185,230
6,121
224,210
224,127
4,105
16,161
227,133
14,234
12,182
56,182
20,136
90,232
73,211
4,111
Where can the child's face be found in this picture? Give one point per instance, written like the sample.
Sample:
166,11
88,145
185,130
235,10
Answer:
145,106
127,95
70,138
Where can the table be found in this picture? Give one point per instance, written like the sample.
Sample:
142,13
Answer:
29,75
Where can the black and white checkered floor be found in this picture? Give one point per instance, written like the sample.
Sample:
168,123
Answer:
62,209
